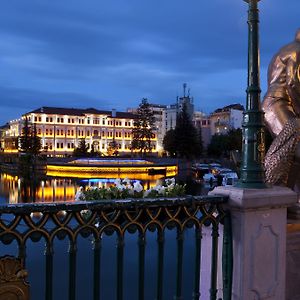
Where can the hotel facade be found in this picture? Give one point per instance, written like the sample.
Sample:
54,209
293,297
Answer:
61,130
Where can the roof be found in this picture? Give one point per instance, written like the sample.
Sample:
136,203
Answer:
236,106
5,126
79,112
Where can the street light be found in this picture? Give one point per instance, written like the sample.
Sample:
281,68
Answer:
252,172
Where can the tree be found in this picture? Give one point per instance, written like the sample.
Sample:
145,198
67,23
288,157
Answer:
36,144
235,139
82,149
143,130
113,148
25,138
30,142
188,143
222,144
169,142
218,144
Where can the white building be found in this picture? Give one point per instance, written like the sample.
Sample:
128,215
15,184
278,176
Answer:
61,129
224,119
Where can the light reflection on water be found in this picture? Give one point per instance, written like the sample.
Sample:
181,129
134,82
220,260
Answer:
14,189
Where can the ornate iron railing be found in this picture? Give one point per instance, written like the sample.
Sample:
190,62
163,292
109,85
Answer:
22,222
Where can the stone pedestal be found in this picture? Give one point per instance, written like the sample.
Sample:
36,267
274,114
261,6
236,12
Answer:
259,218
293,260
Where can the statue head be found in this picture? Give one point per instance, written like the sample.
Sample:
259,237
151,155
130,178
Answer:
297,36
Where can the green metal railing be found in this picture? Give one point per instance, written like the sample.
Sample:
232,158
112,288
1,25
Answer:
95,219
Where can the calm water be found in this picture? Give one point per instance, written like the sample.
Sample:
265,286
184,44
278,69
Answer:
14,189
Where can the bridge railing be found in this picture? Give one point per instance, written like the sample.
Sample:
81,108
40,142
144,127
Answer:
26,224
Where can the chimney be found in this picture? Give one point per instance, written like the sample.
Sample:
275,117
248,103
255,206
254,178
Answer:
113,113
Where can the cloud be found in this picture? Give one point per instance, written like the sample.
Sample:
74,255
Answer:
114,53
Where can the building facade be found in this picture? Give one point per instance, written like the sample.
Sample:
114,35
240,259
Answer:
202,122
61,130
224,119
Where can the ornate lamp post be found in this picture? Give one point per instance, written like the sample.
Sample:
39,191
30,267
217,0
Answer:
252,172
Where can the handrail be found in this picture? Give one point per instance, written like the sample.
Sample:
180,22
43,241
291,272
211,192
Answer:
95,218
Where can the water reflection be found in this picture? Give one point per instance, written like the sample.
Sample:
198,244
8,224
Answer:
15,189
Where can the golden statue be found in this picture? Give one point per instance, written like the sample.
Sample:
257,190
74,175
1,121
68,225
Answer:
281,106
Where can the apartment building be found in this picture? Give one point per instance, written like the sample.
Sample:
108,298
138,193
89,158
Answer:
61,129
224,119
201,121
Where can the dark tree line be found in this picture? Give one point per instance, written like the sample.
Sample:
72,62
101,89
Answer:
222,144
185,140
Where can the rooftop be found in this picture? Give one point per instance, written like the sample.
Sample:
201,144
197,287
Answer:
78,112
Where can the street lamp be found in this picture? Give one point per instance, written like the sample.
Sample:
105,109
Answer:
252,172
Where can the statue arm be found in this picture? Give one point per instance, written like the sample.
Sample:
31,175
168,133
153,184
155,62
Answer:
278,111
278,106
291,71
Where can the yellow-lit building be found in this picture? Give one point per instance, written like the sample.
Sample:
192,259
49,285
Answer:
61,129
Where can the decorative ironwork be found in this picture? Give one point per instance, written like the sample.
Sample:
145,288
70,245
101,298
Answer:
13,283
120,216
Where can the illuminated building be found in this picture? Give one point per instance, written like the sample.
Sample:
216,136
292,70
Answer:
61,129
224,119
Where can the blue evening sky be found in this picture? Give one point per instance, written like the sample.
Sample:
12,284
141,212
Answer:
111,54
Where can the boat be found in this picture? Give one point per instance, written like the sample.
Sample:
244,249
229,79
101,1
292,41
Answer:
229,178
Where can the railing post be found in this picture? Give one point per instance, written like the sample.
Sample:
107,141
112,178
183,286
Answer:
259,221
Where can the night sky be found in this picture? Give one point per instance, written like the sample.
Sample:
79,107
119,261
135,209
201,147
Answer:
111,54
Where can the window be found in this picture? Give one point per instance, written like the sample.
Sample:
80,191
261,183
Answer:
62,132
61,120
46,131
40,119
103,122
69,145
68,132
57,145
51,119
61,145
50,132
47,119
35,119
72,120
57,131
39,131
69,120
72,132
